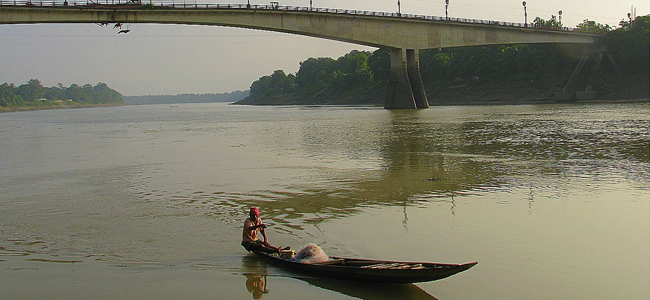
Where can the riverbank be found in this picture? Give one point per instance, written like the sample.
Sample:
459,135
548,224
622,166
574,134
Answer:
610,88
55,105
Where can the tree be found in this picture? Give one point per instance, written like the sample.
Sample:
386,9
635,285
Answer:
9,96
630,45
552,23
379,65
31,91
315,71
353,62
271,84
54,93
75,93
104,94
592,26
352,69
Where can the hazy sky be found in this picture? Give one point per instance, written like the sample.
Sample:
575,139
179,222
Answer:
172,59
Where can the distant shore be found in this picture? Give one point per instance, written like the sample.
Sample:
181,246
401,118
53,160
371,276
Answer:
55,105
611,89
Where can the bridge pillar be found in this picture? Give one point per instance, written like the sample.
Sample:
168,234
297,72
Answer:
405,90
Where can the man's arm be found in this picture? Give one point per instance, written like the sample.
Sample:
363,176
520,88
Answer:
257,226
266,240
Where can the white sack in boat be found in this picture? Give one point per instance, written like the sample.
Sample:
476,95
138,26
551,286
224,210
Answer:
310,254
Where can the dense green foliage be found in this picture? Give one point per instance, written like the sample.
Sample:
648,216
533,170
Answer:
34,93
554,22
274,83
592,26
629,45
365,71
316,74
516,62
437,66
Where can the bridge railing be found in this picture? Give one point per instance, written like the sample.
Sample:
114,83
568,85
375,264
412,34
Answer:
273,6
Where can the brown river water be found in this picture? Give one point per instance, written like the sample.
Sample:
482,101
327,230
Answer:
147,202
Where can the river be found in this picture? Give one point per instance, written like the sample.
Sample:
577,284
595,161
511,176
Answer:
147,202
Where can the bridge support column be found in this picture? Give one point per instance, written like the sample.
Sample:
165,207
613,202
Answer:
405,90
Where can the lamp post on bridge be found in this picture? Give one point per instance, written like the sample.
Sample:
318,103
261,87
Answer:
560,18
399,8
525,15
447,9
310,4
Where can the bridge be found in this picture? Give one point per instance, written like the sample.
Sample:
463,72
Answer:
403,34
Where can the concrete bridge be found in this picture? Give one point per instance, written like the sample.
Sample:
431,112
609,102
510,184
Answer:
403,34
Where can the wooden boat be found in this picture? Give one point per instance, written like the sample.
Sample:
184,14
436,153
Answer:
371,270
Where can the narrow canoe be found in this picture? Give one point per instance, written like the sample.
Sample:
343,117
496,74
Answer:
372,270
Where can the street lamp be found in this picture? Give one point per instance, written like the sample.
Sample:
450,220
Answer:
310,4
447,9
560,17
399,8
525,15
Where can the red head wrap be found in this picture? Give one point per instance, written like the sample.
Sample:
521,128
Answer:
255,211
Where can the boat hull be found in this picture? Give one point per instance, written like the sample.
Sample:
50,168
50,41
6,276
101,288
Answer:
372,270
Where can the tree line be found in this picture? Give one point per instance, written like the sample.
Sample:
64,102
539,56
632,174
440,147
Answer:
33,93
187,98
364,70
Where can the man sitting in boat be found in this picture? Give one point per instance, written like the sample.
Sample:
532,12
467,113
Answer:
252,226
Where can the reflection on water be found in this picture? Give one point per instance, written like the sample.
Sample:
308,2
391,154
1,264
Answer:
256,272
405,158
370,291
256,284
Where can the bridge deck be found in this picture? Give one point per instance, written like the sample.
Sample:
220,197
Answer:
172,4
